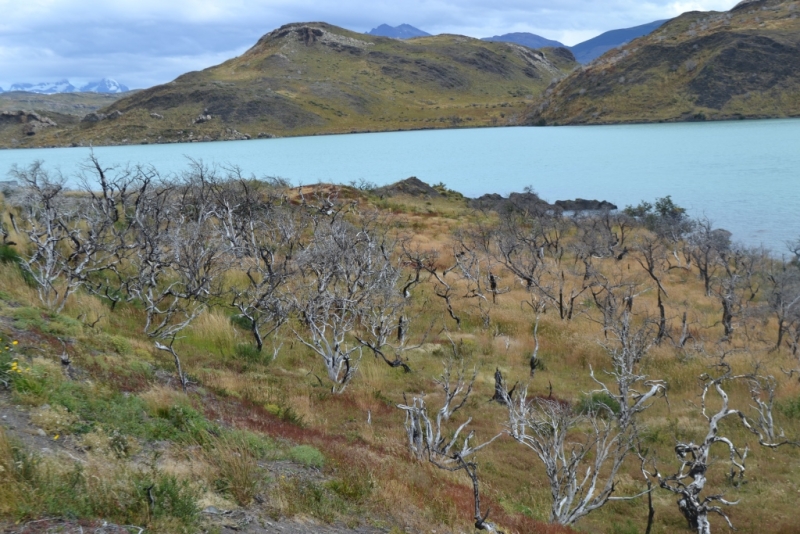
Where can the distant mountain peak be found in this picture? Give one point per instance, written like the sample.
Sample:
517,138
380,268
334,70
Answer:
531,40
106,85
403,31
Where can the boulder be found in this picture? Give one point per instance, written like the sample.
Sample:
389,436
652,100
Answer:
93,117
157,116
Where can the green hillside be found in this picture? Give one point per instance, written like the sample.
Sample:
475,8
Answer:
700,66
314,78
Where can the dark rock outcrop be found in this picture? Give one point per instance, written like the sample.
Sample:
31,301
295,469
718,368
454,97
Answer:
581,204
527,202
32,123
413,187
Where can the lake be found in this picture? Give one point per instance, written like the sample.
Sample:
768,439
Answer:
743,175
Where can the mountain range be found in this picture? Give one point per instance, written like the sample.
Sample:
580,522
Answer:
315,78
584,52
106,86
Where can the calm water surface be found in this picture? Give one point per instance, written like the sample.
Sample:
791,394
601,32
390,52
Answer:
744,175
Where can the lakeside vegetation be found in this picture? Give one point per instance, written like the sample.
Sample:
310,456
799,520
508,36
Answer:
215,342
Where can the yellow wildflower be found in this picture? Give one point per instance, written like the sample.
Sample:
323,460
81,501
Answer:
56,436
15,342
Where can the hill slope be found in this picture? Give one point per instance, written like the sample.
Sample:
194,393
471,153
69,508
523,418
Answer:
740,64
305,79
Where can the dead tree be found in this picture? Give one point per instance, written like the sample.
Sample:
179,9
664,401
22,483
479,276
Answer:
573,468
762,393
736,285
428,440
706,245
443,287
174,260
343,272
384,326
689,481
533,251
582,473
474,267
784,300
263,233
651,256
72,236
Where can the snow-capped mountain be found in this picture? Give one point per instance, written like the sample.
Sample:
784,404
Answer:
45,88
106,85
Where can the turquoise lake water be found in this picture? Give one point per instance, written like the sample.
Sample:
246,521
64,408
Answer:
743,175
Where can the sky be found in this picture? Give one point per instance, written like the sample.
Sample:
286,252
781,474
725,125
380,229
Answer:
142,43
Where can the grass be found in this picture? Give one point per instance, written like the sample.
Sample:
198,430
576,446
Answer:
33,487
307,455
245,411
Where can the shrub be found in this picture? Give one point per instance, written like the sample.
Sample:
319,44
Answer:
599,403
307,455
791,408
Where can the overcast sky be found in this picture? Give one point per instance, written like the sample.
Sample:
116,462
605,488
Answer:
141,43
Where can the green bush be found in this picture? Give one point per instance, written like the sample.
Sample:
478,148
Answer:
8,255
354,486
790,408
598,402
307,455
250,353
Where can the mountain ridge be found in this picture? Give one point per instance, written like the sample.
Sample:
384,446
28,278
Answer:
316,78
744,63
591,49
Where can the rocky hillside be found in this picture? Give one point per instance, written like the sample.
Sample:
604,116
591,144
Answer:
305,79
700,66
